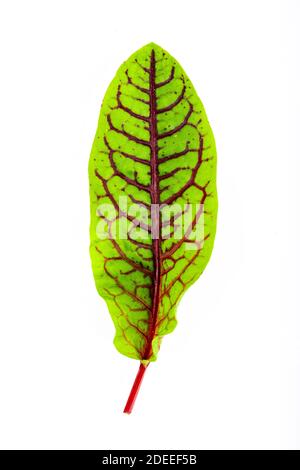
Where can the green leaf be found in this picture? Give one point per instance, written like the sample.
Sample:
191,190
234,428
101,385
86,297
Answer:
153,147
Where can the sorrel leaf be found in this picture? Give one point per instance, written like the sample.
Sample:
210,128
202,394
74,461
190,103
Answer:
153,152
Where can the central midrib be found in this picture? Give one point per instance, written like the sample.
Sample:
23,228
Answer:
155,214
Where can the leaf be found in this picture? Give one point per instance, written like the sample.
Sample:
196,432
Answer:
153,151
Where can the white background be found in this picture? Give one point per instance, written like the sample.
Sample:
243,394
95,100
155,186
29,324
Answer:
228,377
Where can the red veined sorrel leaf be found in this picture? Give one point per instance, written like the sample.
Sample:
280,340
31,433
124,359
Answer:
153,200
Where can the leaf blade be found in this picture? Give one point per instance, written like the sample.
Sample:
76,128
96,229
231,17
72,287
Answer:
154,146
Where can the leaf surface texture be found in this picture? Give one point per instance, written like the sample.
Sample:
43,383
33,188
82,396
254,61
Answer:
153,147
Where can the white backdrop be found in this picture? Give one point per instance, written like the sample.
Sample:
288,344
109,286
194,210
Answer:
228,377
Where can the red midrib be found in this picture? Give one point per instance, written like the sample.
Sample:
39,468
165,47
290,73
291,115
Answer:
156,238
155,214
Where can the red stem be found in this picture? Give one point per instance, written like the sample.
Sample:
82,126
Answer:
135,388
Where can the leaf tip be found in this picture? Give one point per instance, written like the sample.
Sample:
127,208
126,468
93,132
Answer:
152,45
